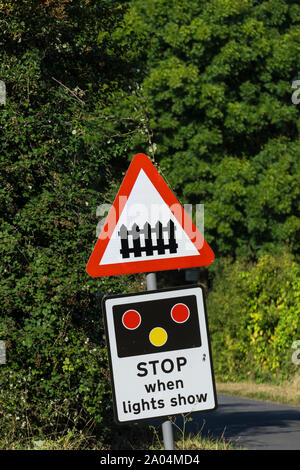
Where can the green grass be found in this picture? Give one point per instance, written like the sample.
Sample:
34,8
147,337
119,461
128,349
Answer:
129,438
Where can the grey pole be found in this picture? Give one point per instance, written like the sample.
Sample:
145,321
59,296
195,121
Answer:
151,281
167,429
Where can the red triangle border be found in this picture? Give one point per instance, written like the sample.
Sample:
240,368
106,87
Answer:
94,269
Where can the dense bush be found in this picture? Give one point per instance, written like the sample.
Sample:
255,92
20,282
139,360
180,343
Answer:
254,314
54,173
216,81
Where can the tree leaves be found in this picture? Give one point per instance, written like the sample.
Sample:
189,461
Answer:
217,77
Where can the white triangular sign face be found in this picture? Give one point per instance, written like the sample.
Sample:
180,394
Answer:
146,206
147,228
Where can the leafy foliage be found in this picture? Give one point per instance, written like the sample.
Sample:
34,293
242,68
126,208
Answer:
217,82
254,318
53,176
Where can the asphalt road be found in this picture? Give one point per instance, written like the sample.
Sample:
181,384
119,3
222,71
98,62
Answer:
251,424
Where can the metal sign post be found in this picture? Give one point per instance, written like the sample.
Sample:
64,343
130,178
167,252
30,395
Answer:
167,429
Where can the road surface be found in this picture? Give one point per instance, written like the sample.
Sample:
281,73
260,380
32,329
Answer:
251,424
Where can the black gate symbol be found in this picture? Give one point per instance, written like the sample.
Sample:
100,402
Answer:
149,247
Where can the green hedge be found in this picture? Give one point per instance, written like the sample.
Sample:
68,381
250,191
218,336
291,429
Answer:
56,167
254,314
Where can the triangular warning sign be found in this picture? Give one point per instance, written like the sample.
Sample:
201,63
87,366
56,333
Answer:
147,229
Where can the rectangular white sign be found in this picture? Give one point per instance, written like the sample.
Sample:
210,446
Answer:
159,351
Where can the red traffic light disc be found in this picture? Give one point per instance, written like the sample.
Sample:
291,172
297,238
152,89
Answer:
180,313
131,319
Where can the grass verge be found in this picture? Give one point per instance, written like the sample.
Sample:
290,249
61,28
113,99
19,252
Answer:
287,393
131,438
